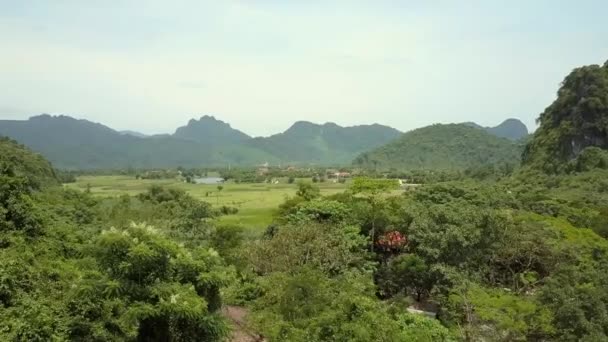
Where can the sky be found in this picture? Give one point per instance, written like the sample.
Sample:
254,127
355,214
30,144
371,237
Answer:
260,65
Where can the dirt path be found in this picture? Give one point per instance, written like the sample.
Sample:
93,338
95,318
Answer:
237,315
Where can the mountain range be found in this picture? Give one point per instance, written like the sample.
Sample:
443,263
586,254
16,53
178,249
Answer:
81,144
71,143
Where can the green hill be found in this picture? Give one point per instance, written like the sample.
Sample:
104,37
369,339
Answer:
452,146
23,163
575,121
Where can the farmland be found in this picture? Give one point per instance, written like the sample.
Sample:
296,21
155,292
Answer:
256,201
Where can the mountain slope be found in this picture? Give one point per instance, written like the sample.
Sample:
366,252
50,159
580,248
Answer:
24,163
209,130
452,146
70,143
576,120
512,129
324,144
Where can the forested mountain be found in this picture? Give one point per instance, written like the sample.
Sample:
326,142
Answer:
324,143
575,124
512,129
210,131
81,144
451,146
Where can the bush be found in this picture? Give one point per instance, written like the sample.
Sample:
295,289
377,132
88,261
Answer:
226,210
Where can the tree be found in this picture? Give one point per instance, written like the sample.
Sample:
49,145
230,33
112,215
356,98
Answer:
497,315
373,190
310,306
172,293
408,272
17,210
219,189
331,248
307,191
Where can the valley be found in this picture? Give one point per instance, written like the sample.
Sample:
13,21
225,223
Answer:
303,171
256,202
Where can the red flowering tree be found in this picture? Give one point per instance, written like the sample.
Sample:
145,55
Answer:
393,241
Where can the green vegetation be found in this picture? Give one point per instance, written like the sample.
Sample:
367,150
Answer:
490,254
256,203
447,147
23,163
74,268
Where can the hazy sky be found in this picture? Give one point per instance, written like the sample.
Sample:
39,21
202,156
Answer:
260,65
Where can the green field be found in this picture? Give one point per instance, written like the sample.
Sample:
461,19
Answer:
256,202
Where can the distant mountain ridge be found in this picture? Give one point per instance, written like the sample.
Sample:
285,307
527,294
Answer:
209,130
512,129
134,133
316,143
81,144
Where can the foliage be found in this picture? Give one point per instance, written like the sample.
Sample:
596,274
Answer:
407,273
309,306
590,158
63,278
331,248
497,315
36,170
307,191
17,211
172,292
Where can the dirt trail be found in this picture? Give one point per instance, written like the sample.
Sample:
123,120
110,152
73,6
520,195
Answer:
240,333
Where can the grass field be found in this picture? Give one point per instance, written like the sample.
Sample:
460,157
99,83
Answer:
256,202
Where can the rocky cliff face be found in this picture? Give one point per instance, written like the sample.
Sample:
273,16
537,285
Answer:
577,119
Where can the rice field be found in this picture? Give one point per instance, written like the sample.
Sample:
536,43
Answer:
256,202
